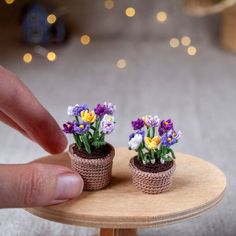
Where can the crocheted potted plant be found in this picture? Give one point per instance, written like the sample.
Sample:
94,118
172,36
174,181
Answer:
90,155
153,166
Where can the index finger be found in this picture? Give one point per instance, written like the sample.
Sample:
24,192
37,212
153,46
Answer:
18,103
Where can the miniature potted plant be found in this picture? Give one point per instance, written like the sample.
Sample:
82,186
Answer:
90,155
153,166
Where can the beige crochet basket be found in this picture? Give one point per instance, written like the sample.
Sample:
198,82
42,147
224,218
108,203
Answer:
151,183
96,173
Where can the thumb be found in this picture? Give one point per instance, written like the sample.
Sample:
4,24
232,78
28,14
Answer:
30,185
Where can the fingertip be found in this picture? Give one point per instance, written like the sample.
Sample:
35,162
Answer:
59,145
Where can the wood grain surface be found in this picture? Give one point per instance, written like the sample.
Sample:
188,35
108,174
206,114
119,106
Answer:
198,186
117,232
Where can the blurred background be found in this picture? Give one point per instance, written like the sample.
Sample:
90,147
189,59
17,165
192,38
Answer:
171,58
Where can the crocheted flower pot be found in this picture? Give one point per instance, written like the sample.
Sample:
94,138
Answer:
95,168
151,183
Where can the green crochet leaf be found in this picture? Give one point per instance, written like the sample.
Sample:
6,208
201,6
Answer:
98,144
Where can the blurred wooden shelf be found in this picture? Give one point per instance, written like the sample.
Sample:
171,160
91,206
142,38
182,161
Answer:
120,208
206,7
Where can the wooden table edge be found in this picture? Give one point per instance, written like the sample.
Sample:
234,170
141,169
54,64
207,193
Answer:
113,222
129,222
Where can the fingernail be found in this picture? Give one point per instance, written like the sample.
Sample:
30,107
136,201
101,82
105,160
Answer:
68,186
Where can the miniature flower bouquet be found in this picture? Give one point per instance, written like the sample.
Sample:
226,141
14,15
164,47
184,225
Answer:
153,166
90,155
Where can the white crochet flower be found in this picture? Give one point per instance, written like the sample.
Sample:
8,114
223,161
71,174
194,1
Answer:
108,118
135,141
70,110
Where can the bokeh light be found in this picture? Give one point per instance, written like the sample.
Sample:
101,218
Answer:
121,63
109,4
51,19
85,39
130,11
51,56
9,1
174,42
27,58
186,41
161,16
192,51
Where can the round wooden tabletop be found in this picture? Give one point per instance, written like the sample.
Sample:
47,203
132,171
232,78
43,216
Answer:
197,187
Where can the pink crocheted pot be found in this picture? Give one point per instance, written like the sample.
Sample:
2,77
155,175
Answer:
96,172
151,183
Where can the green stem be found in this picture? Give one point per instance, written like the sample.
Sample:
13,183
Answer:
156,153
96,130
153,132
97,125
77,140
139,154
90,134
144,157
77,118
143,146
93,128
172,153
102,136
148,132
86,144
160,153
152,154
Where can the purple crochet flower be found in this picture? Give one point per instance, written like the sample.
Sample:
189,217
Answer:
68,127
110,108
78,108
151,121
142,132
101,110
137,124
165,126
170,138
81,128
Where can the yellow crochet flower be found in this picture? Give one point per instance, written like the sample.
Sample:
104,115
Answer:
87,116
144,118
152,143
147,120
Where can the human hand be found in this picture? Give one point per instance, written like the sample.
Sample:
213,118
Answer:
29,185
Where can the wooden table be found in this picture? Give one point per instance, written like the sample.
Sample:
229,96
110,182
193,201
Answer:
120,208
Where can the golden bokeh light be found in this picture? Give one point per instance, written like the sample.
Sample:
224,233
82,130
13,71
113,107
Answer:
121,63
51,19
186,41
85,39
130,11
9,1
191,51
109,4
51,56
174,42
27,58
161,16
